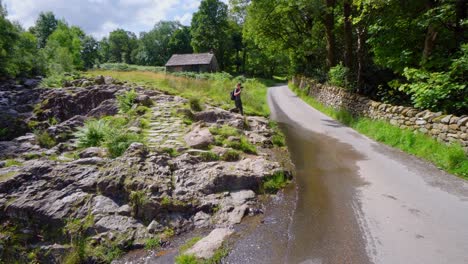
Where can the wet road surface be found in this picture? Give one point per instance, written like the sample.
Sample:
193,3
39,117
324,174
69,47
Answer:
357,201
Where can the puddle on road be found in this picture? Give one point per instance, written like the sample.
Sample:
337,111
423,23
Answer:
317,218
325,226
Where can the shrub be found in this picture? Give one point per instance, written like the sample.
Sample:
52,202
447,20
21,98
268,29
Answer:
195,104
93,133
118,141
137,200
126,100
44,139
152,243
338,76
54,81
231,155
275,182
278,140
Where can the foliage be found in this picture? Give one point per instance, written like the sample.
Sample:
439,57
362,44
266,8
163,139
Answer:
44,139
137,200
209,28
444,91
451,158
108,132
338,75
46,24
63,49
93,133
120,45
154,46
54,80
118,141
126,100
275,182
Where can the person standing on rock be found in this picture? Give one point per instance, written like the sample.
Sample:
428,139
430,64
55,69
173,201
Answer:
237,98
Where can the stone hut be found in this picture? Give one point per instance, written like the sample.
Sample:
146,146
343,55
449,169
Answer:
197,62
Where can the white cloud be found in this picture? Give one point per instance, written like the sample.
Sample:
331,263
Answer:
99,17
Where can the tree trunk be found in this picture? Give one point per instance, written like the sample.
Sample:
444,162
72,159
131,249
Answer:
361,55
348,35
460,15
329,26
431,36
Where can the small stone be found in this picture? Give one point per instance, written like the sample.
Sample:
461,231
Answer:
421,121
462,121
155,227
206,247
446,119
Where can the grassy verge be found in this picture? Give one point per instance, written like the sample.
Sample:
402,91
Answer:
450,158
214,90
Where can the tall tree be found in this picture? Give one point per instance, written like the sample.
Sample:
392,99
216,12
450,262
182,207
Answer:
46,24
154,46
209,29
63,49
348,34
89,53
121,46
329,22
180,42
9,36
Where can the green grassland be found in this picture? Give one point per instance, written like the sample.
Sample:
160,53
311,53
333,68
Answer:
208,88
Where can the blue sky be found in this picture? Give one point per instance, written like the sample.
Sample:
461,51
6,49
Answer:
99,17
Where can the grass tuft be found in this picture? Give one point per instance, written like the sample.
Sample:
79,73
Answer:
152,243
44,139
275,182
231,155
12,162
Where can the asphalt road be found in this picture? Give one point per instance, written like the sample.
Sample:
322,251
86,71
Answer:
359,201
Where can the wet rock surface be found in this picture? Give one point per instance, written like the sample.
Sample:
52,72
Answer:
147,192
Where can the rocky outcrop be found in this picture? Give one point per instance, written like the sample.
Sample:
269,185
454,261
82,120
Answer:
148,191
199,137
444,128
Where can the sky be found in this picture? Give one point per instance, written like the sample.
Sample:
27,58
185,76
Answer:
99,17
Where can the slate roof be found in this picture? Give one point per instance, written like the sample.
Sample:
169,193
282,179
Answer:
190,59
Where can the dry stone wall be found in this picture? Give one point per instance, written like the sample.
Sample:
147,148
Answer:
445,128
